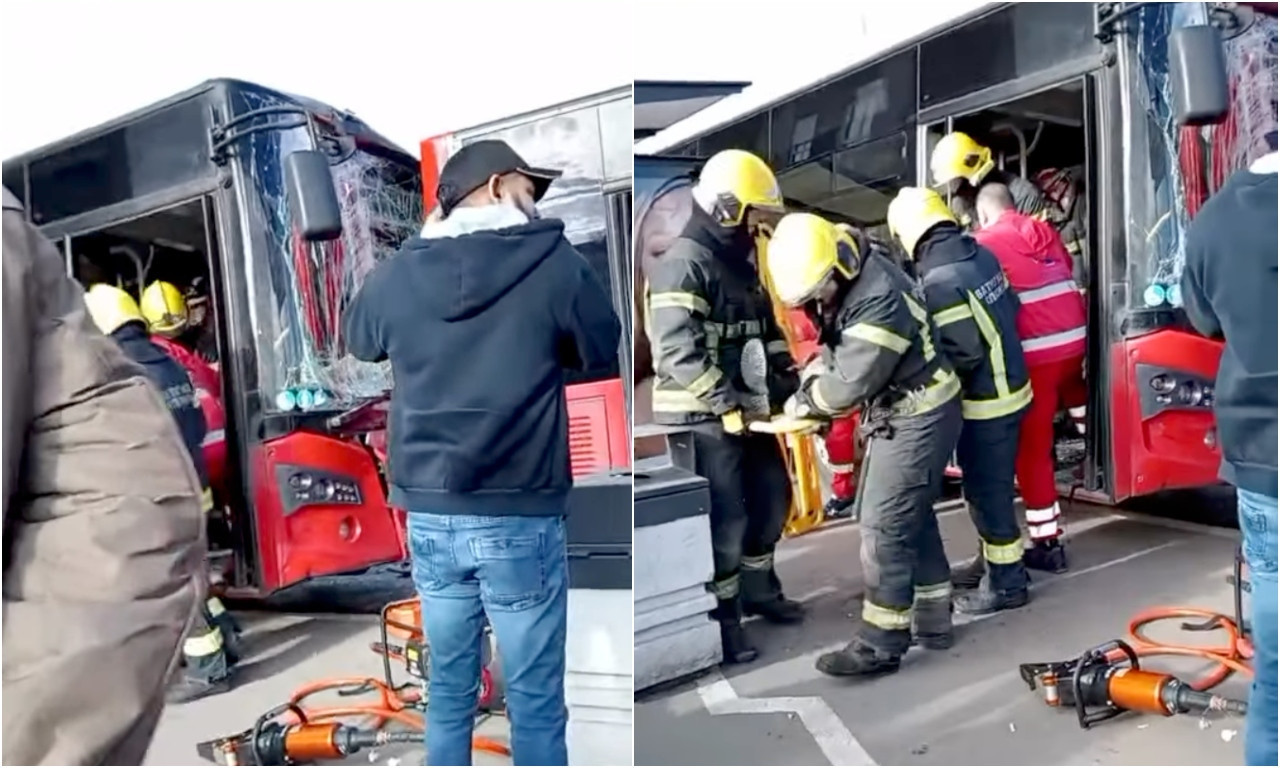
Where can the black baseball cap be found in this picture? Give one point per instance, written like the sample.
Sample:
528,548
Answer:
472,166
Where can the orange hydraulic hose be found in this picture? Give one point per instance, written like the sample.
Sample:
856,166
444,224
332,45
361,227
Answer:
391,705
1227,658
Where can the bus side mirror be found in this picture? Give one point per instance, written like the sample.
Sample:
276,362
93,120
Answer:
1198,75
313,203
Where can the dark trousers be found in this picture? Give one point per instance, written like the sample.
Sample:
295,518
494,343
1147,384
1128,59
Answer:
902,552
988,453
750,499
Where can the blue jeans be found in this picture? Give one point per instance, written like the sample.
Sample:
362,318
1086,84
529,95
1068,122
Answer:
515,571
1258,531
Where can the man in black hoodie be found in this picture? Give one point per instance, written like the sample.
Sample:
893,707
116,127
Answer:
480,318
1229,291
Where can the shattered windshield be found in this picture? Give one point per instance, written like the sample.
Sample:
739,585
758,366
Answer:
1174,169
298,290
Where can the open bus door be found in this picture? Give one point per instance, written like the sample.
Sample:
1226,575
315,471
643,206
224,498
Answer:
663,189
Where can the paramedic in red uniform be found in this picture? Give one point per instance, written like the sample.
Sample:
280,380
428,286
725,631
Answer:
169,317
840,455
1052,325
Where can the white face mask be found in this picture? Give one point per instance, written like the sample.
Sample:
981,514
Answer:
530,213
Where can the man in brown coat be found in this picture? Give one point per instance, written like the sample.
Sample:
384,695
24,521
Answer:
103,533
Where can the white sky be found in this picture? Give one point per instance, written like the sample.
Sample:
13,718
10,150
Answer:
410,68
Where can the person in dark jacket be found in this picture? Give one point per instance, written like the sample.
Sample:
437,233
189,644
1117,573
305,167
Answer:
209,653
481,317
705,307
976,311
1229,291
963,166
879,353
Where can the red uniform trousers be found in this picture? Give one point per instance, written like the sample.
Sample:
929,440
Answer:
1054,386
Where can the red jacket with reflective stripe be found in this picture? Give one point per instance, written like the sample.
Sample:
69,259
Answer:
208,386
1053,319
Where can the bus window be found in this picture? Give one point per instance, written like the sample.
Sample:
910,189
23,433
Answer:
751,134
853,185
658,226
15,180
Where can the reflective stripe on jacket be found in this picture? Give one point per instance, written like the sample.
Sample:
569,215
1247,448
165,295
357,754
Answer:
703,303
976,312
881,348
1053,321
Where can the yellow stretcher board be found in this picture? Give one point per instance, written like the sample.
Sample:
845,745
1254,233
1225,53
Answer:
797,444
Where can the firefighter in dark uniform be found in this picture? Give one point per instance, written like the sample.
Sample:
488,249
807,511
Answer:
879,353
975,310
704,303
209,651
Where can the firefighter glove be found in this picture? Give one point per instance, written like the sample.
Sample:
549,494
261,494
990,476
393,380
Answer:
733,422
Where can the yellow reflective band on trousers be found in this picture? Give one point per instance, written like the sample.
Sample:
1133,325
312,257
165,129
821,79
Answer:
952,314
921,315
726,588
215,607
679,300
206,644
940,591
1002,554
777,347
206,500
757,562
885,618
703,384
675,401
881,337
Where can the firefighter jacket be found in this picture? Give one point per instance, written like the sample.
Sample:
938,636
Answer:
704,303
175,388
103,535
976,311
880,349
1052,322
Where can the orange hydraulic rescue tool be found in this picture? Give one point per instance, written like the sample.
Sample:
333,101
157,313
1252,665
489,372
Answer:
802,466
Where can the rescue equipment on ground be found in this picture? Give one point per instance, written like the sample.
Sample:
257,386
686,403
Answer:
294,734
1108,680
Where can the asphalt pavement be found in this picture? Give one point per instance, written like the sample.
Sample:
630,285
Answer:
283,653
966,706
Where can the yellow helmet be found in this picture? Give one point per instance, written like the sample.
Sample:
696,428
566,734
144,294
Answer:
914,212
804,252
958,156
734,180
111,308
164,308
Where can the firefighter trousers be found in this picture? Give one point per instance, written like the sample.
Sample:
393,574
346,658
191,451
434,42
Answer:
903,560
750,499
987,452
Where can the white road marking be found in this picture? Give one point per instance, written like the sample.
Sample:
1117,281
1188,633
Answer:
835,740
833,737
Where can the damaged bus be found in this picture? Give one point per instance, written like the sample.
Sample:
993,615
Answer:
267,211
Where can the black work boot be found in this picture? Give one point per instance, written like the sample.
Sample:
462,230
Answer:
858,659
218,616
968,575
762,596
933,629
838,508
984,599
735,646
1047,555
190,689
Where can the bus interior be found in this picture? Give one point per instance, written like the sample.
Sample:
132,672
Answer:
1043,137
174,244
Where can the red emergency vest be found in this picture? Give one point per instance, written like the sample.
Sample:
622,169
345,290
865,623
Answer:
1053,321
208,386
